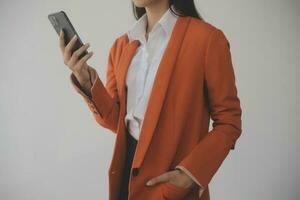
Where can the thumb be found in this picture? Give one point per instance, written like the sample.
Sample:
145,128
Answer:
161,178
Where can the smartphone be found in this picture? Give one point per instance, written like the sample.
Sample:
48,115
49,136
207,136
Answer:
60,21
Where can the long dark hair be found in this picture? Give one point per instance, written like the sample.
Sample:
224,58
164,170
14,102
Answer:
181,8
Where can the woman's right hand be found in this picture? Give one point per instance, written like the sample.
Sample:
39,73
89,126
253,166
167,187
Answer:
79,67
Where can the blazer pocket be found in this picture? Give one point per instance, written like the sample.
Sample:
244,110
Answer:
174,192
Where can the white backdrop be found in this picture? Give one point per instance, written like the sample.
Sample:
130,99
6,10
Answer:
50,145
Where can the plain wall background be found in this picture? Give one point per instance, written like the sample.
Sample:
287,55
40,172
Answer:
50,145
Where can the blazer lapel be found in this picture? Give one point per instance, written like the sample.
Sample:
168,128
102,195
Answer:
159,89
122,67
121,71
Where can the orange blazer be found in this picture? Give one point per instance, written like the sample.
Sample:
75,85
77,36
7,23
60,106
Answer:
195,81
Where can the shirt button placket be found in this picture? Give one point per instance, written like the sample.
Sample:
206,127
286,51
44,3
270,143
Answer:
144,73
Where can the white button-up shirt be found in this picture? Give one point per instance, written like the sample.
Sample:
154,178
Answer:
144,65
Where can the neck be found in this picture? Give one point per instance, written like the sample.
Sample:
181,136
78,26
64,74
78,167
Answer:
154,13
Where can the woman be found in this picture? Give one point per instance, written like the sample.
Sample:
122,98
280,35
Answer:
165,78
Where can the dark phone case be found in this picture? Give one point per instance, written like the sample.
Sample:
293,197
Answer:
60,21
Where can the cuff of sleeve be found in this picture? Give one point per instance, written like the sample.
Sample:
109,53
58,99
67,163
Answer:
201,188
78,87
100,101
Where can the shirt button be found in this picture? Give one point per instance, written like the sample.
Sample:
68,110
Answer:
135,171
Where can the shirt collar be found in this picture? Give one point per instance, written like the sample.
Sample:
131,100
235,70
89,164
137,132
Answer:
138,30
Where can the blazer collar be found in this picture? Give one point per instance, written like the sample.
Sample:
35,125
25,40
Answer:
160,85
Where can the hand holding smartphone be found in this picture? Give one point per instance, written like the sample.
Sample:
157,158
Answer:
74,52
60,21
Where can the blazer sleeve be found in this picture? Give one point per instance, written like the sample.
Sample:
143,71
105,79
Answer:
224,105
104,100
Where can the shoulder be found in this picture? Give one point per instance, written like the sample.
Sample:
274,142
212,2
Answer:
117,47
206,32
119,42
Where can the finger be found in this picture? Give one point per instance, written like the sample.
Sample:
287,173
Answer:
61,41
75,55
84,58
69,47
161,178
80,64
79,51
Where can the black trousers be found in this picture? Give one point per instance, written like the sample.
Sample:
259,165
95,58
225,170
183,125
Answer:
131,145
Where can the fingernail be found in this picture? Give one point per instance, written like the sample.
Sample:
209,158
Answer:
75,36
149,183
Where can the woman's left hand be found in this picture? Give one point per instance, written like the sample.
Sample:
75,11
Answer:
176,177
